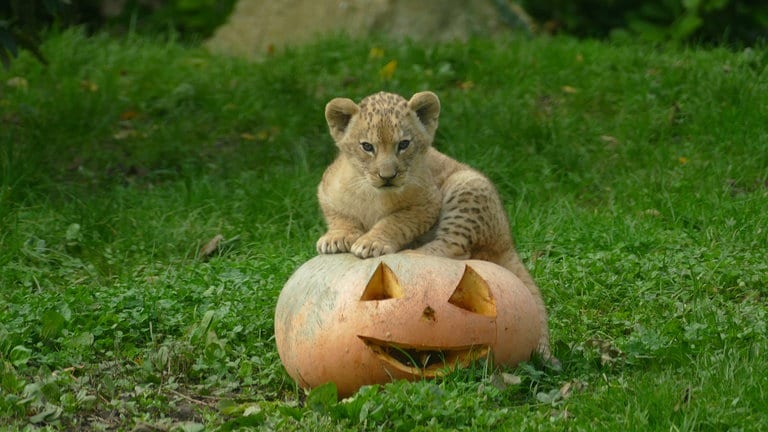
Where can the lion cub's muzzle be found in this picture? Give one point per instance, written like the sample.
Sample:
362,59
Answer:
387,179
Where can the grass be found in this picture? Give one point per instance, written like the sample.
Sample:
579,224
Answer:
635,178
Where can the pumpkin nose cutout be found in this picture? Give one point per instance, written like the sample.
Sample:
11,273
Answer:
428,314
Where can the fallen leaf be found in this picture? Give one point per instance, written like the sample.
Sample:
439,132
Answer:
128,115
610,141
511,379
675,115
209,248
546,105
349,80
90,86
197,61
739,188
375,53
568,89
17,82
248,136
609,353
188,426
552,26
124,134
683,160
50,414
388,70
567,389
503,380
148,427
466,85
549,398
76,163
684,401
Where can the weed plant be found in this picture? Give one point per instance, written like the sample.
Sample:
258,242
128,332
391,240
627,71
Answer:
635,177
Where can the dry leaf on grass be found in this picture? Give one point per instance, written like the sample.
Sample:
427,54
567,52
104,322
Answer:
210,247
503,380
17,82
567,389
388,70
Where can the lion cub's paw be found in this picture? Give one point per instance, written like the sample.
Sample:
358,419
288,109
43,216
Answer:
369,246
337,241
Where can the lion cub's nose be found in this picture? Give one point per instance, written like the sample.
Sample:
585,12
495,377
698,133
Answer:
387,176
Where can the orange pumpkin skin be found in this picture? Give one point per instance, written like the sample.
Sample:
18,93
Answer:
401,316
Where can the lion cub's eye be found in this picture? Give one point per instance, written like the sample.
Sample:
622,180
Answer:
367,147
402,145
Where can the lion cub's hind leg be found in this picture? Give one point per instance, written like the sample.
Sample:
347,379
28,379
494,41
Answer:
468,219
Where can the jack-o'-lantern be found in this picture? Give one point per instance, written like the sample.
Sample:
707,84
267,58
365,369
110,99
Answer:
356,322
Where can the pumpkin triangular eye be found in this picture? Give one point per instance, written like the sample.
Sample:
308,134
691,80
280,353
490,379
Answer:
473,294
383,285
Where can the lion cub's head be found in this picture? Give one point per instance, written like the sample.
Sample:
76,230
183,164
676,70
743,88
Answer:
385,136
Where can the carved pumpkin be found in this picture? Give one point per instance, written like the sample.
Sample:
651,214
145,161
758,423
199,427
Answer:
358,322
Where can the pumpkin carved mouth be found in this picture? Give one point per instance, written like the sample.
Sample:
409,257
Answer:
427,362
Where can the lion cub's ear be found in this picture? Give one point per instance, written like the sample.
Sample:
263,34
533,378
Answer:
426,105
338,113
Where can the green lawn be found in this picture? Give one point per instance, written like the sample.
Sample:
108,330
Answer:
636,179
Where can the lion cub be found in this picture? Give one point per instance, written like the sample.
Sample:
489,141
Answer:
388,189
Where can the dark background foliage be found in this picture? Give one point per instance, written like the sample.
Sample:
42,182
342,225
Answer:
192,19
22,21
710,21
741,22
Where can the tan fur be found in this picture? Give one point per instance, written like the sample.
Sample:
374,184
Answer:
379,198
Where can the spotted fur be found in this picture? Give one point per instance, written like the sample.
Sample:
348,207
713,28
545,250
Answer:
381,196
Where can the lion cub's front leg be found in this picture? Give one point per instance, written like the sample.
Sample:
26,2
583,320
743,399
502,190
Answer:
391,233
342,234
387,236
337,241
363,245
371,245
